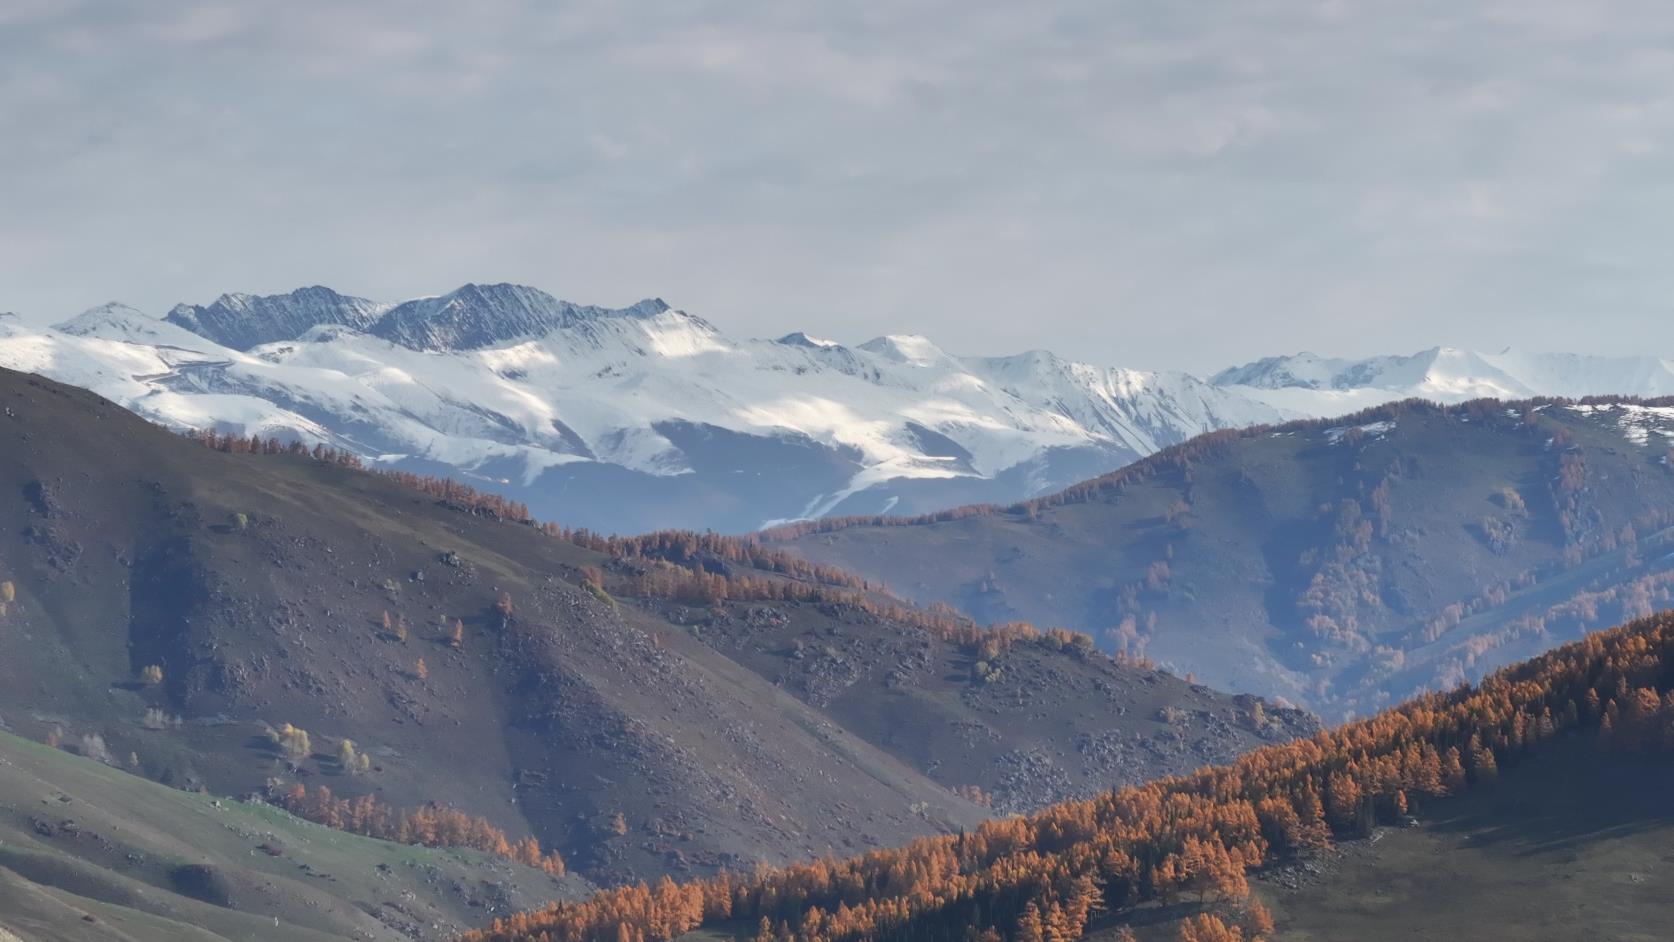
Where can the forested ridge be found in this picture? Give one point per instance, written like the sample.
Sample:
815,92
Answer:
1045,876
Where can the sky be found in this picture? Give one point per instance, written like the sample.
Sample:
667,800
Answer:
1149,184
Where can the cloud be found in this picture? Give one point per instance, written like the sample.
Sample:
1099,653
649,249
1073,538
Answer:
1131,182
769,61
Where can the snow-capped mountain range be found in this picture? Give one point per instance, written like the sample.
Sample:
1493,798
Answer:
1322,386
642,417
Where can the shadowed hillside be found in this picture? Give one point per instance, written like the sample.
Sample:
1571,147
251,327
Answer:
1339,564
254,622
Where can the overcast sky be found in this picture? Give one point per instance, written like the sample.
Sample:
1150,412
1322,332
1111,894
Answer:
1155,184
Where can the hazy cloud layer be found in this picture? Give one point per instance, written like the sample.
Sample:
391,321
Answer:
1142,183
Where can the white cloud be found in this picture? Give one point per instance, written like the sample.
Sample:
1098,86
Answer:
1128,180
768,61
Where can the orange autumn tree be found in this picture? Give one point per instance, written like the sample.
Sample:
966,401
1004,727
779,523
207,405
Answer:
429,825
1196,834
1207,927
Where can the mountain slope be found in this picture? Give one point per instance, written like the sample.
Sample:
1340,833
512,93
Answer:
90,852
1338,565
1182,852
636,732
1570,844
627,419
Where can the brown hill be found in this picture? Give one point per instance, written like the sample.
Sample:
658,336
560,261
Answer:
1342,565
636,735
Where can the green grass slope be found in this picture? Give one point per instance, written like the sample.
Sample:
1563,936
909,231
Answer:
1572,844
92,852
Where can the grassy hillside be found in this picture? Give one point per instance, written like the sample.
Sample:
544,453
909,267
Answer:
1568,845
90,852
1341,565
1494,761
279,589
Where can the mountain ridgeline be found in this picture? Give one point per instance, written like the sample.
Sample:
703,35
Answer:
470,318
626,419
1341,564
412,659
635,418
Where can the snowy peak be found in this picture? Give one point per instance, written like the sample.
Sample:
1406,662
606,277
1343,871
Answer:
474,317
1032,366
1440,369
1574,375
1446,372
906,349
1304,371
105,316
800,339
1322,386
242,321
1311,371
123,324
471,317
